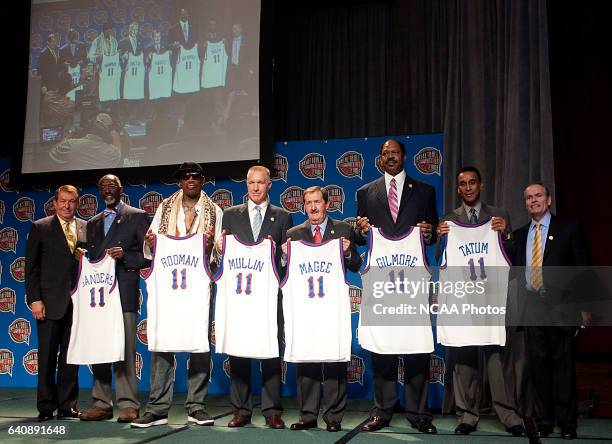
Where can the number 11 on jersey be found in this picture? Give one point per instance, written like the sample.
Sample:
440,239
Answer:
183,279
311,285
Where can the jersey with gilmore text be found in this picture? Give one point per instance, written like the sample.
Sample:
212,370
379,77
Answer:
316,303
178,288
97,334
187,71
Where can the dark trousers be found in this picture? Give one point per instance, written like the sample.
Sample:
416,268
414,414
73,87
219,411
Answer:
309,379
416,385
550,353
54,336
240,386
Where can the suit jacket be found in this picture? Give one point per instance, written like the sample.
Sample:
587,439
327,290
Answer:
79,57
276,222
335,229
125,45
175,34
51,70
418,203
565,246
51,268
127,231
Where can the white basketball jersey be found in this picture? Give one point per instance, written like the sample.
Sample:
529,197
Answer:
133,79
400,258
75,75
214,68
97,334
246,300
178,288
160,76
110,78
473,254
316,303
187,71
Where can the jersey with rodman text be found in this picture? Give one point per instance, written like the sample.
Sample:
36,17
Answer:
400,261
178,287
214,68
110,78
316,303
246,300
187,71
97,334
473,287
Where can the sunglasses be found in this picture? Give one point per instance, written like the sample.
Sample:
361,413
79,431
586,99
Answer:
195,176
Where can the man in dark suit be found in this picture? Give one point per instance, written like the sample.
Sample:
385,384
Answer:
465,376
119,230
52,72
183,33
50,274
74,52
549,241
309,376
251,222
395,202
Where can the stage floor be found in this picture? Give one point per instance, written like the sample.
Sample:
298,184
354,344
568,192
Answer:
18,409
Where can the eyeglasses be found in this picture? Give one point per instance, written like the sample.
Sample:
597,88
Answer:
194,176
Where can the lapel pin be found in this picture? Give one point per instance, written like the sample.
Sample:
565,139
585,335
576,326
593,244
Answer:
409,185
272,219
550,238
332,232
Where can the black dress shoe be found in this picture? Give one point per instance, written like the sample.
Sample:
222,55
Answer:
71,413
516,430
424,426
544,431
333,426
45,416
464,429
374,423
304,425
568,433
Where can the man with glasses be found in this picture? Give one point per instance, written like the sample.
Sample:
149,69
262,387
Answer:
119,230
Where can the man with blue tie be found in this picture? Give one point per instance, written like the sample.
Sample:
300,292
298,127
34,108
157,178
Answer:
119,230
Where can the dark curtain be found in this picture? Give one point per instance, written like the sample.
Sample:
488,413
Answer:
475,70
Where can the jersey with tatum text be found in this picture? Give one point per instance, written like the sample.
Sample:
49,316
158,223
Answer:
187,71
133,79
160,76
400,261
246,300
214,68
316,303
97,334
178,288
110,78
75,77
473,287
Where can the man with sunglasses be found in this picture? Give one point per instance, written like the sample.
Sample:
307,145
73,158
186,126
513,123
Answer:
188,211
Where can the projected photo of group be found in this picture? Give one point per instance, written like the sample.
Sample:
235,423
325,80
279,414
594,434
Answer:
130,83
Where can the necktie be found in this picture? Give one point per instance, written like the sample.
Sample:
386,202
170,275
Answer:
72,49
69,237
473,217
393,206
317,235
109,211
257,221
185,31
536,259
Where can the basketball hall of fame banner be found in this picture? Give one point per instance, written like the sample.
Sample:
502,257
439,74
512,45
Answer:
341,166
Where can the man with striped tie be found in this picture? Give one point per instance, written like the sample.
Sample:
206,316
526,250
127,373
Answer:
549,241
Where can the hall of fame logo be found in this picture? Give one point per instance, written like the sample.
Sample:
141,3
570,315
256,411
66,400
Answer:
400,370
35,41
88,206
137,183
2,211
7,361
138,366
149,202
355,296
352,221
100,17
8,300
144,272
280,168
82,19
17,269
238,178
138,14
437,368
155,12
213,337
169,181
428,160
336,197
20,331
45,23
8,240
283,370
125,198
210,180
30,362
44,188
224,198
350,164
5,182
25,300
292,199
312,166
91,35
355,370
245,198
227,369
139,301
141,332
63,22
24,209
119,16
377,164
49,208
